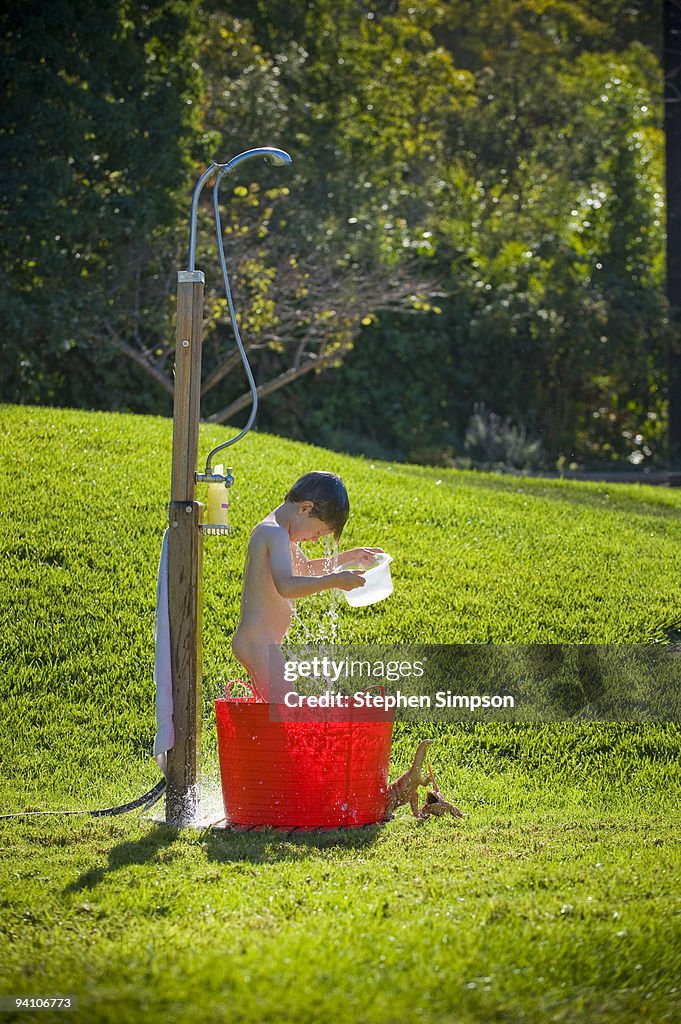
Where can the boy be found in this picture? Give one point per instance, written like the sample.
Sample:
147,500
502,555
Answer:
277,572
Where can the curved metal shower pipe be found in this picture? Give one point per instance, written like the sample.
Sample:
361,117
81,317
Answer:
275,156
279,158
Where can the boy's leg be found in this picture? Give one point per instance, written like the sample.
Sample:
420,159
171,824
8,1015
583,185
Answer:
266,667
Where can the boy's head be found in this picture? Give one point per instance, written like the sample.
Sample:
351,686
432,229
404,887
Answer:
330,502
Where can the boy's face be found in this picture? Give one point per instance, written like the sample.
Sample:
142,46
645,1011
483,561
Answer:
307,526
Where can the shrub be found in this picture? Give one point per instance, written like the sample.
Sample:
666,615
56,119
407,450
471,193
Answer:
492,442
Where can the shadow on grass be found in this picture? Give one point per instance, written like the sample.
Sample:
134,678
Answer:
270,845
601,496
552,489
141,851
671,633
226,846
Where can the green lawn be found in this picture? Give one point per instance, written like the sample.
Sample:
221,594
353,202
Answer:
558,898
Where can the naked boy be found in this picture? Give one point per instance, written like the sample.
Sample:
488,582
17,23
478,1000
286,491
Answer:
277,572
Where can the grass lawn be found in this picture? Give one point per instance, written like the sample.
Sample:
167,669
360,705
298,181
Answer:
558,897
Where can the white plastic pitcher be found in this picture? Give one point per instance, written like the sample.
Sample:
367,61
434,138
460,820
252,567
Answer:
378,583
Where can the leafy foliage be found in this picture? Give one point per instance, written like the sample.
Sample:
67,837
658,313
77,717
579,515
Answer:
97,129
496,169
550,215
315,260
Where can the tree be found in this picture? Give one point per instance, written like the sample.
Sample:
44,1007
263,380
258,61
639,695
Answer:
315,259
97,129
570,236
548,210
504,157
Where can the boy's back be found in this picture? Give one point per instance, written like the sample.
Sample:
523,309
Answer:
264,612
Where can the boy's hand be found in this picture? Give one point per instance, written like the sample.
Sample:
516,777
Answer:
348,580
362,558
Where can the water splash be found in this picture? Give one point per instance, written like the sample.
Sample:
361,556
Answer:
210,809
318,632
204,806
331,560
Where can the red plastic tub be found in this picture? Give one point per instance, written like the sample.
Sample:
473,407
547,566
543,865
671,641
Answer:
329,769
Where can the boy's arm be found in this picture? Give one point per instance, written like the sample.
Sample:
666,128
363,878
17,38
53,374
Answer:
361,558
290,586
304,566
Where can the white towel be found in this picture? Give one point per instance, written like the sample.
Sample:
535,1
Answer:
163,680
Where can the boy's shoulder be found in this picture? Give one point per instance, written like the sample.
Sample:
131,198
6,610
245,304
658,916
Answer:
267,530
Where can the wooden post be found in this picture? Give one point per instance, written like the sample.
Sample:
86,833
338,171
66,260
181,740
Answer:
185,556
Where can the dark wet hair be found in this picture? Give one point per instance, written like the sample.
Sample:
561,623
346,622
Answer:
328,495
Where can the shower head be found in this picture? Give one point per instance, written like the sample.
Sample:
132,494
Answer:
273,156
276,157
